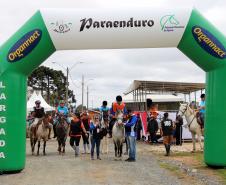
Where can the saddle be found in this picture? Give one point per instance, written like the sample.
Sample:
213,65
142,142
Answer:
199,120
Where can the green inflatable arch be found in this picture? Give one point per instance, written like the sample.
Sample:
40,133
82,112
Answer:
50,30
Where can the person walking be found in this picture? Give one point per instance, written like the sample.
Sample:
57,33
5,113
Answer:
75,132
130,130
86,122
166,131
95,131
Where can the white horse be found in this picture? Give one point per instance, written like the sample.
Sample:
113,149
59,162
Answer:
118,134
192,123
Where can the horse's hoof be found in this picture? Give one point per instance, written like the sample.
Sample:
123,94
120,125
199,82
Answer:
193,151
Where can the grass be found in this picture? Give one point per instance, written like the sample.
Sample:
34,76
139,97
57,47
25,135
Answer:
201,164
173,169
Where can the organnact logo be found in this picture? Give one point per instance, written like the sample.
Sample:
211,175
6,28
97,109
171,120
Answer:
61,27
169,23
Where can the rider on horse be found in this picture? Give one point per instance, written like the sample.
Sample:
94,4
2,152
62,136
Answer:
202,110
119,105
39,114
62,110
104,110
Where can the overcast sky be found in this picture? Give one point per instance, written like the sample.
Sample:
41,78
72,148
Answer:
113,71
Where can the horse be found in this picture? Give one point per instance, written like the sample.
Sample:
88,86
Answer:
104,143
192,124
38,132
118,134
61,133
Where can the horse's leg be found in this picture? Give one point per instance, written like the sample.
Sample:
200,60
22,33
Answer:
200,139
106,143
63,145
193,141
32,143
38,147
59,147
115,150
118,148
44,147
120,155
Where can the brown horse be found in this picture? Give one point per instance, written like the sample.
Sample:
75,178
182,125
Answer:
39,132
61,133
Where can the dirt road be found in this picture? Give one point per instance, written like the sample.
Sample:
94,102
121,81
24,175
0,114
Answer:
54,169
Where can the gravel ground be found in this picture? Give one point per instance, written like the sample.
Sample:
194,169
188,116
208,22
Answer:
54,169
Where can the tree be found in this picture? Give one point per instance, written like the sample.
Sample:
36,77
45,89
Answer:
50,82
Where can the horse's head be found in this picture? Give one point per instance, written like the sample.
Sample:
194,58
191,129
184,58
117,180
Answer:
119,116
183,108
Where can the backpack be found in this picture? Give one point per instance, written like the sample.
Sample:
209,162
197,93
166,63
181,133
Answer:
103,132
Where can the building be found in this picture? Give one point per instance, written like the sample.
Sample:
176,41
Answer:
168,95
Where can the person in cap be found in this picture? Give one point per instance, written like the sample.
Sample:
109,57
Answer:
62,109
166,131
130,131
104,110
119,105
39,114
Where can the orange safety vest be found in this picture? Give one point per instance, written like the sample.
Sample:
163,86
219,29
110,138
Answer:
154,112
117,106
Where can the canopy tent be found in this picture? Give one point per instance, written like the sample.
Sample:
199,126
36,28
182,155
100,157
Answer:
33,98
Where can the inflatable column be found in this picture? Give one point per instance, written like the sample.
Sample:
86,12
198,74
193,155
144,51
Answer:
16,63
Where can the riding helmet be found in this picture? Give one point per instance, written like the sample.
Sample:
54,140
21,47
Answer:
118,98
105,103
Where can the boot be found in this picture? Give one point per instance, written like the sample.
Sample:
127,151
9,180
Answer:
166,150
84,146
88,148
76,150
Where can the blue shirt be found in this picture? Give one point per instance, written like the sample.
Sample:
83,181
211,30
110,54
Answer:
102,109
202,104
104,112
130,125
62,110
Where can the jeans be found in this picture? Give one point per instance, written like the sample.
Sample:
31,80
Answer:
95,141
132,146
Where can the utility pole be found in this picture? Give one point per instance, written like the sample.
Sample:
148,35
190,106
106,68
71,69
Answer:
87,97
67,83
82,91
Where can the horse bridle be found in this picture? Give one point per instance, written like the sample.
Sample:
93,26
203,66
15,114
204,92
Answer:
184,113
184,110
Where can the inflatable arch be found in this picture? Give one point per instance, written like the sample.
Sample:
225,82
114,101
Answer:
50,30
